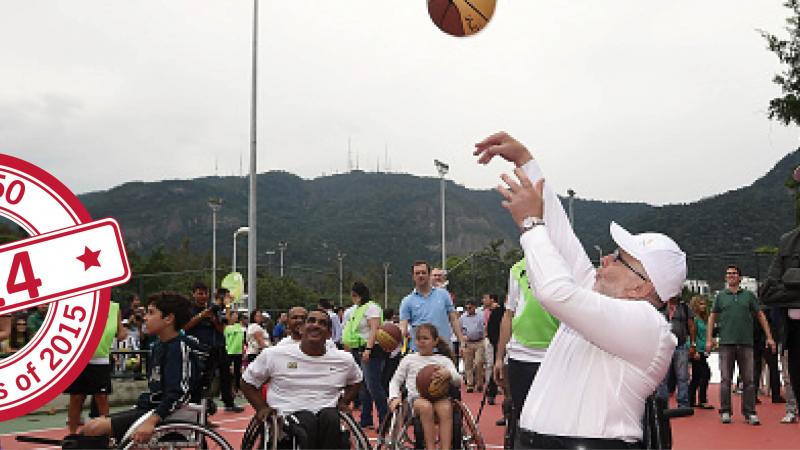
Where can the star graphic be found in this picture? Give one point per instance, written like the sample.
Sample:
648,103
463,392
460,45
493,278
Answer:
89,258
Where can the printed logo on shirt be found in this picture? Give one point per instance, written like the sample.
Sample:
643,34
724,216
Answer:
291,365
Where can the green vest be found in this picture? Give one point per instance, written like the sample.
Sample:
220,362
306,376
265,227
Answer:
350,335
109,333
534,327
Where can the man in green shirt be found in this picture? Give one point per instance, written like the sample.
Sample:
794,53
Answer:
734,309
234,343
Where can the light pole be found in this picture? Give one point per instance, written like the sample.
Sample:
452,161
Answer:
251,212
340,256
385,285
269,261
241,230
443,169
282,245
571,194
215,203
599,255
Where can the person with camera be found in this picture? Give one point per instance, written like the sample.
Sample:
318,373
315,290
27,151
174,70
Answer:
206,326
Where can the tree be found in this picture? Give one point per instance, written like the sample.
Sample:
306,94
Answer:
787,107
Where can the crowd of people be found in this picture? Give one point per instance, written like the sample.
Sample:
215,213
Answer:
574,349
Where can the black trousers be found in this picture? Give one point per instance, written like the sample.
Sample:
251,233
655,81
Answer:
520,378
234,367
698,385
793,353
760,353
319,430
531,440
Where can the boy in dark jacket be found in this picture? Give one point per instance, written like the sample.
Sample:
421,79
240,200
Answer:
174,372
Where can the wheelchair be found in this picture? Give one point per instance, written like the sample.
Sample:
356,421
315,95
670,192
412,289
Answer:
283,432
185,428
401,430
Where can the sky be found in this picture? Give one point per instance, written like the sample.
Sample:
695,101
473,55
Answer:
623,100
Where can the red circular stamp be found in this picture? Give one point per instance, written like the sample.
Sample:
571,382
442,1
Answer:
70,263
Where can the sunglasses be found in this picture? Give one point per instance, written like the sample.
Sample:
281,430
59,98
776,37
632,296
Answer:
617,255
320,322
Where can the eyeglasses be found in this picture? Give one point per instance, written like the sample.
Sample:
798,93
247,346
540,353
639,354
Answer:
617,255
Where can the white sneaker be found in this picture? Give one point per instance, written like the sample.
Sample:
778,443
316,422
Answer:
752,419
790,417
725,417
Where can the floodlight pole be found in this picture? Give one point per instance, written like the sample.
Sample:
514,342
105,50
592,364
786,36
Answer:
215,203
443,169
385,285
252,252
282,245
571,194
340,256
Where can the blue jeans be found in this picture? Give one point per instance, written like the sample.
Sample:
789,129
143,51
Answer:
372,390
680,362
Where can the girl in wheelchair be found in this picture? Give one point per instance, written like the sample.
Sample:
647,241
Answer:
427,338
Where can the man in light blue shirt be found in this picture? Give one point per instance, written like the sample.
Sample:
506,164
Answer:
427,304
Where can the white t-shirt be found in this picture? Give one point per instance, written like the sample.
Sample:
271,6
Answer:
300,382
608,354
372,311
410,366
252,344
515,349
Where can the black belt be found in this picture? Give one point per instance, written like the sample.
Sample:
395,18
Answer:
476,340
531,439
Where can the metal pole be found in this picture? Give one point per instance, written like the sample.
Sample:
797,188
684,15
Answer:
252,252
215,204
444,253
340,256
233,263
282,247
385,285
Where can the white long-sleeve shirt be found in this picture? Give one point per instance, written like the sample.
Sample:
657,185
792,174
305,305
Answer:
608,355
410,366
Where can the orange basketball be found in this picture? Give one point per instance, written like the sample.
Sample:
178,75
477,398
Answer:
389,337
461,17
427,387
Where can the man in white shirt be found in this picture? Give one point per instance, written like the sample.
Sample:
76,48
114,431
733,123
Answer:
591,387
306,381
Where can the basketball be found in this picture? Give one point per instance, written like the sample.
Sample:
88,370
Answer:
461,17
427,387
389,337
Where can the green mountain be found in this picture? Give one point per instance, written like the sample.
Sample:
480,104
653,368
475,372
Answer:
385,217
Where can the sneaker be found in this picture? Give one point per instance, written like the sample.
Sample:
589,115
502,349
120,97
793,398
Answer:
725,417
752,419
234,408
490,400
469,390
790,417
480,388
778,400
706,406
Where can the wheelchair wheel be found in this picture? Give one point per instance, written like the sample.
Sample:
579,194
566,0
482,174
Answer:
253,438
355,435
181,435
393,432
469,435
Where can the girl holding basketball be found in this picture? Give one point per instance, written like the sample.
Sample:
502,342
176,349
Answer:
433,407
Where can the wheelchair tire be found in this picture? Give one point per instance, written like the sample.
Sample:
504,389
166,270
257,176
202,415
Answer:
393,431
253,438
181,435
469,435
355,434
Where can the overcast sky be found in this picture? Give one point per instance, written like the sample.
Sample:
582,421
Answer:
660,102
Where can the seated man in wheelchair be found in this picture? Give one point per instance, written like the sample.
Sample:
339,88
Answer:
174,371
427,338
305,381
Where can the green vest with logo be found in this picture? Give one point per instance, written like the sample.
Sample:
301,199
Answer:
534,327
350,335
110,331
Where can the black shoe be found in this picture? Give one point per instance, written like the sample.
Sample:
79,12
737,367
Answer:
501,422
480,388
758,401
490,400
778,400
234,408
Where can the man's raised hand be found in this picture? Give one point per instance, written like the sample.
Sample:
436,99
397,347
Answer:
523,199
503,145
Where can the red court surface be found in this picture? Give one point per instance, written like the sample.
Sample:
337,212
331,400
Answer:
702,431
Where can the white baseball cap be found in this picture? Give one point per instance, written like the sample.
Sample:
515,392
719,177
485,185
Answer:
663,260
